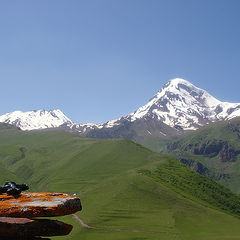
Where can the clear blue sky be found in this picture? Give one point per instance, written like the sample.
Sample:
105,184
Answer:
97,60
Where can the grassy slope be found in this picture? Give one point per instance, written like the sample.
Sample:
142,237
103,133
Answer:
5,173
105,174
229,132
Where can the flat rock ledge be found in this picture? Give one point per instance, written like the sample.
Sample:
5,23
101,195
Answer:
30,205
23,228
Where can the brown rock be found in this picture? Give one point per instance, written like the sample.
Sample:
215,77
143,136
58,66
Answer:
29,205
27,229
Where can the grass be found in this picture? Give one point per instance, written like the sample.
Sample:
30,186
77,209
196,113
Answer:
195,186
108,175
224,169
141,203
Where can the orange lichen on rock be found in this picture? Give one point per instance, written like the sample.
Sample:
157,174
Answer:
38,205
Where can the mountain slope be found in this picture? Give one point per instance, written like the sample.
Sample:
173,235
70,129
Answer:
180,103
178,107
138,130
119,185
212,150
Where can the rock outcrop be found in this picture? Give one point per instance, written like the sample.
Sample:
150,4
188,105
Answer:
29,205
17,213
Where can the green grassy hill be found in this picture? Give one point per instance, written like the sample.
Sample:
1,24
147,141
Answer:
213,150
127,190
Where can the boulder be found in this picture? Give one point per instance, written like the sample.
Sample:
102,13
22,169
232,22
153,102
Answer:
27,228
29,205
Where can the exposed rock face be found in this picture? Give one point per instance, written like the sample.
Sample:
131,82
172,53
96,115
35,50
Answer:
222,148
197,166
29,205
26,228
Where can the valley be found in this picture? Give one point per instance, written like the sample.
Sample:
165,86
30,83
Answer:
170,170
120,120
120,187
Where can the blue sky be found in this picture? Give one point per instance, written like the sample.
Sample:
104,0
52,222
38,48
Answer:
97,60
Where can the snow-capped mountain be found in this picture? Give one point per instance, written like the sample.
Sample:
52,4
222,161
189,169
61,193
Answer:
179,105
182,105
40,119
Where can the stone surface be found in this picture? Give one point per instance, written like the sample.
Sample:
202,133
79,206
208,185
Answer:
29,205
27,228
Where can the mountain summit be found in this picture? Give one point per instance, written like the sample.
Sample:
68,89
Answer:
178,106
180,103
39,119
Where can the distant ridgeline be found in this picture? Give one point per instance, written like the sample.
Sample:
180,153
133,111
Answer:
178,107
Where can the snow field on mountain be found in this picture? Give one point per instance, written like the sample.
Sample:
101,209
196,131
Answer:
40,119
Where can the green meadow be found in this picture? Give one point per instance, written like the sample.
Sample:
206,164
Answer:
215,146
127,191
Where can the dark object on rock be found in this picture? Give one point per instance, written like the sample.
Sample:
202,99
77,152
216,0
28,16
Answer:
24,228
11,188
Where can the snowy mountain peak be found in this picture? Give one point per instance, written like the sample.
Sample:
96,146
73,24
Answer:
37,119
175,81
184,88
179,84
181,104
